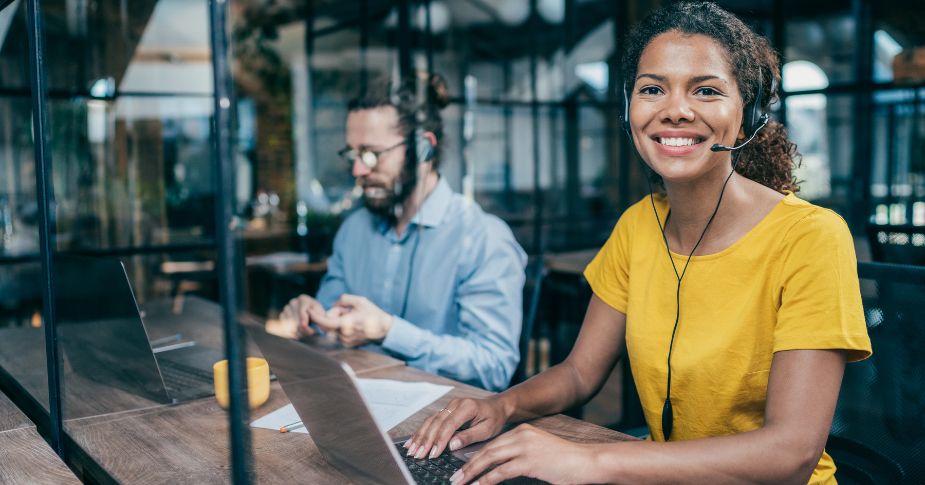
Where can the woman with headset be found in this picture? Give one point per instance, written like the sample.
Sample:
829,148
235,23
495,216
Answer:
736,302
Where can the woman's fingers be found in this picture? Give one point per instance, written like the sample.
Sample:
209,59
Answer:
499,451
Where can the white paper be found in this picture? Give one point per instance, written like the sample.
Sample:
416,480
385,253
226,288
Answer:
391,402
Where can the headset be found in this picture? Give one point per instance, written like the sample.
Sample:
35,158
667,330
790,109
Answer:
753,120
424,151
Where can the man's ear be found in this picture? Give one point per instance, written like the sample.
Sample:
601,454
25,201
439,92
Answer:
430,136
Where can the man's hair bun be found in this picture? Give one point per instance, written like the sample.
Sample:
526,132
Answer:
437,92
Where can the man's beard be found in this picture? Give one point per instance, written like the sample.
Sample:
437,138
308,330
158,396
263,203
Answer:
388,199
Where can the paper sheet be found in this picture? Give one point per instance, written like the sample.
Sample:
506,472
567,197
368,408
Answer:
391,401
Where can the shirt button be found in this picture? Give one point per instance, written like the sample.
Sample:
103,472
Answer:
396,247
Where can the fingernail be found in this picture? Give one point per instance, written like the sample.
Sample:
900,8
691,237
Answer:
475,483
407,444
421,453
456,476
433,452
411,450
455,444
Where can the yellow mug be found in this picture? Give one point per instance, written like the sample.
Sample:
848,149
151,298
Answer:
258,382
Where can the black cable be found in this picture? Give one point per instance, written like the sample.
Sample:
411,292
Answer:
414,250
667,413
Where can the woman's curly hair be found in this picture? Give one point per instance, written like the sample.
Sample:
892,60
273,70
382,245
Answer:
771,157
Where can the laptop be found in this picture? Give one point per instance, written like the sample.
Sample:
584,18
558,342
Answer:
326,397
102,335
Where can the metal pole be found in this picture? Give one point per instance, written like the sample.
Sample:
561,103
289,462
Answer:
407,76
364,42
779,31
535,121
508,115
863,123
241,469
430,39
405,60
46,196
910,163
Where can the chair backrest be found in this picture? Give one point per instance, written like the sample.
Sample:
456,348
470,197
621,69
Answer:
878,432
536,273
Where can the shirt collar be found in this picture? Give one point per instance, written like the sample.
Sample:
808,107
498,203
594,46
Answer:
435,205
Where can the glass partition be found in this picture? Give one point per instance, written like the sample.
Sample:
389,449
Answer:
23,364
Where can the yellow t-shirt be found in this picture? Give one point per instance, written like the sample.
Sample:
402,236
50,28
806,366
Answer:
789,283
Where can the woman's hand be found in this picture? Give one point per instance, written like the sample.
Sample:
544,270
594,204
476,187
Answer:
527,451
485,418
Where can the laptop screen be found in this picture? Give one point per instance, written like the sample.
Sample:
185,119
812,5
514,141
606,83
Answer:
102,338
327,400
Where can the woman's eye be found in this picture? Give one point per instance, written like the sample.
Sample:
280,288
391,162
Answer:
708,91
649,90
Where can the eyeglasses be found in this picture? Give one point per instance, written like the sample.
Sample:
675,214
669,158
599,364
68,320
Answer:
370,158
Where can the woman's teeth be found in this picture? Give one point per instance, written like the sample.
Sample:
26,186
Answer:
678,142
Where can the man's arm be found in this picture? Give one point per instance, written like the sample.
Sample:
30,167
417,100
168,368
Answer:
484,347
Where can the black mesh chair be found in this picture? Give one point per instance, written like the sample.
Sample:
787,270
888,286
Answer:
533,288
878,432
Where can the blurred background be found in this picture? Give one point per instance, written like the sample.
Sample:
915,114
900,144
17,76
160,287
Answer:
532,134
536,84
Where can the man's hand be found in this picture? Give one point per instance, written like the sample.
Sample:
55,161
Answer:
295,318
356,320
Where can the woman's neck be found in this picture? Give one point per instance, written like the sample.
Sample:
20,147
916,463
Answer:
692,206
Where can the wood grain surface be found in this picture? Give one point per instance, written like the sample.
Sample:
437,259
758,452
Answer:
10,416
25,458
188,443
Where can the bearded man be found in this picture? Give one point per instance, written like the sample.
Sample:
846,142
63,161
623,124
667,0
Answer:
420,272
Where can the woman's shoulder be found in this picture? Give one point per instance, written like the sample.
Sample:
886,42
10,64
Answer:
807,223
810,216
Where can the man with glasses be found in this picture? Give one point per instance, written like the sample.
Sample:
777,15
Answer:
419,272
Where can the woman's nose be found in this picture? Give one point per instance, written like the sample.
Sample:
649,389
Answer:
677,109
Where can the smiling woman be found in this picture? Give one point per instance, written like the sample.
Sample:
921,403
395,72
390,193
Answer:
730,76
740,385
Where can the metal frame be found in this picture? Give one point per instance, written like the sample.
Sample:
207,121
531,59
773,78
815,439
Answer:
226,224
46,195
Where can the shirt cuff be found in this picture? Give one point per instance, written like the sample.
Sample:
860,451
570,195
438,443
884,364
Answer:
404,338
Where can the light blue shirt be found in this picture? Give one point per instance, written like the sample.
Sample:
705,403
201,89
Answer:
464,309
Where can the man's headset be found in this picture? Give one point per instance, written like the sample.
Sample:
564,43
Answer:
753,121
423,151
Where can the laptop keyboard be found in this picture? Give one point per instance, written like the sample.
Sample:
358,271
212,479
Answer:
179,377
436,471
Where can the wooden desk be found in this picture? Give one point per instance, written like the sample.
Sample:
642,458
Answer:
11,417
188,443
85,397
560,425
24,456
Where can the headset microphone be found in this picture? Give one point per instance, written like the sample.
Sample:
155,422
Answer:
762,122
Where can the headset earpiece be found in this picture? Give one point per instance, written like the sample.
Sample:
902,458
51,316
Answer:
626,110
424,146
753,119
